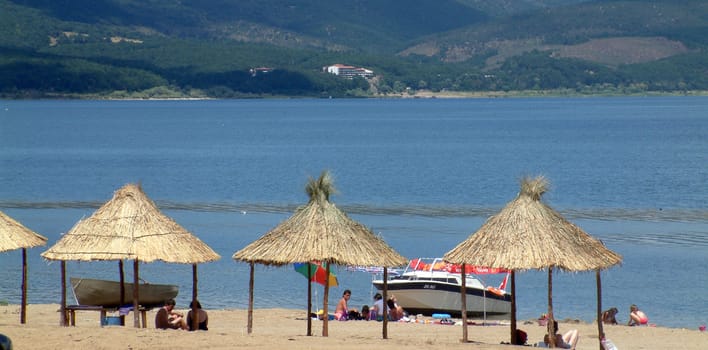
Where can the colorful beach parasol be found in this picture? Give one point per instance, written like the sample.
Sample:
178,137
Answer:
318,271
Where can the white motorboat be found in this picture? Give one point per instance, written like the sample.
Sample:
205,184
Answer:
429,285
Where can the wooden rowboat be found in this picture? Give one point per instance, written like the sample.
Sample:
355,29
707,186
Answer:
107,293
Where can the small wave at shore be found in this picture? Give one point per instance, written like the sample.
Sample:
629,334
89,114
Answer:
606,214
685,239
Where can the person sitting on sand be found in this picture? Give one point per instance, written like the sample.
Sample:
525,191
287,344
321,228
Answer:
637,317
353,314
376,310
202,317
167,318
608,316
342,311
365,313
566,341
395,312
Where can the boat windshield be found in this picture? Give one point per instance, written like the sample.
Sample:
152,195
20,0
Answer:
435,269
437,264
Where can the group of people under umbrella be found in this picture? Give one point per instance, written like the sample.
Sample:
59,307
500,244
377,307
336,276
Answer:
526,234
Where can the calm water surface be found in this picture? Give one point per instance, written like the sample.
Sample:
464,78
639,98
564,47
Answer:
425,174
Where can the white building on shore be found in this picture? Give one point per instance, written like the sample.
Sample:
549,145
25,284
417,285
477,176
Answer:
349,71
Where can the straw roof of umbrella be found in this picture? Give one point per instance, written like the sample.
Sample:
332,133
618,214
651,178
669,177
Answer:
130,226
528,234
14,235
319,231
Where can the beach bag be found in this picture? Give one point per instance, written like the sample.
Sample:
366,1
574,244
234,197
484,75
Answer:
521,337
608,344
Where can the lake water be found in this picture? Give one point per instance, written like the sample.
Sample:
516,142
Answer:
425,174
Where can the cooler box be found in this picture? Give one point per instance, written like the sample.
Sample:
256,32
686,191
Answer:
111,321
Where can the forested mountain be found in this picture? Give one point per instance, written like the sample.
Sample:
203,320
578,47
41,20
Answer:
171,48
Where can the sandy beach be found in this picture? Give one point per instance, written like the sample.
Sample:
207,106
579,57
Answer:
286,328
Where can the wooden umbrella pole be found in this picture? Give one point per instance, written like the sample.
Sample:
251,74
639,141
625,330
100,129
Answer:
121,273
463,293
385,305
122,282
195,315
136,304
63,318
250,301
513,307
23,307
309,299
551,317
325,318
600,331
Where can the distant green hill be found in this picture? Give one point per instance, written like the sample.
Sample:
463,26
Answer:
121,48
681,22
373,25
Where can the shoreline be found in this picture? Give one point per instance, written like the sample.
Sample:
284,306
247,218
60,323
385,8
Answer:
548,94
420,94
286,328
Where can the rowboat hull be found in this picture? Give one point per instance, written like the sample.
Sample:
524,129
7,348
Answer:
107,293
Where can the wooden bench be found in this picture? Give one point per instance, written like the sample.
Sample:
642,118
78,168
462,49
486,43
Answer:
71,313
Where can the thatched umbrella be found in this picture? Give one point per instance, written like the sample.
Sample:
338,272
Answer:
528,234
14,235
130,226
319,231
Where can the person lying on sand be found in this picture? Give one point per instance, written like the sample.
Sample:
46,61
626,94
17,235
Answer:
566,341
396,312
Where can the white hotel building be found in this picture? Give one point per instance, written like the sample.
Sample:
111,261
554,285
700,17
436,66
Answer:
349,71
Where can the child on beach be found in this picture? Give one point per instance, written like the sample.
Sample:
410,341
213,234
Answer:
608,316
637,317
376,311
364,313
396,312
342,311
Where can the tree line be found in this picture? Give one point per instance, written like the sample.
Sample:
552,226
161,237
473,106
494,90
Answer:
23,74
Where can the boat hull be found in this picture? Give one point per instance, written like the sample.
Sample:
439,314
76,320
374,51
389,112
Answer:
429,297
107,293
